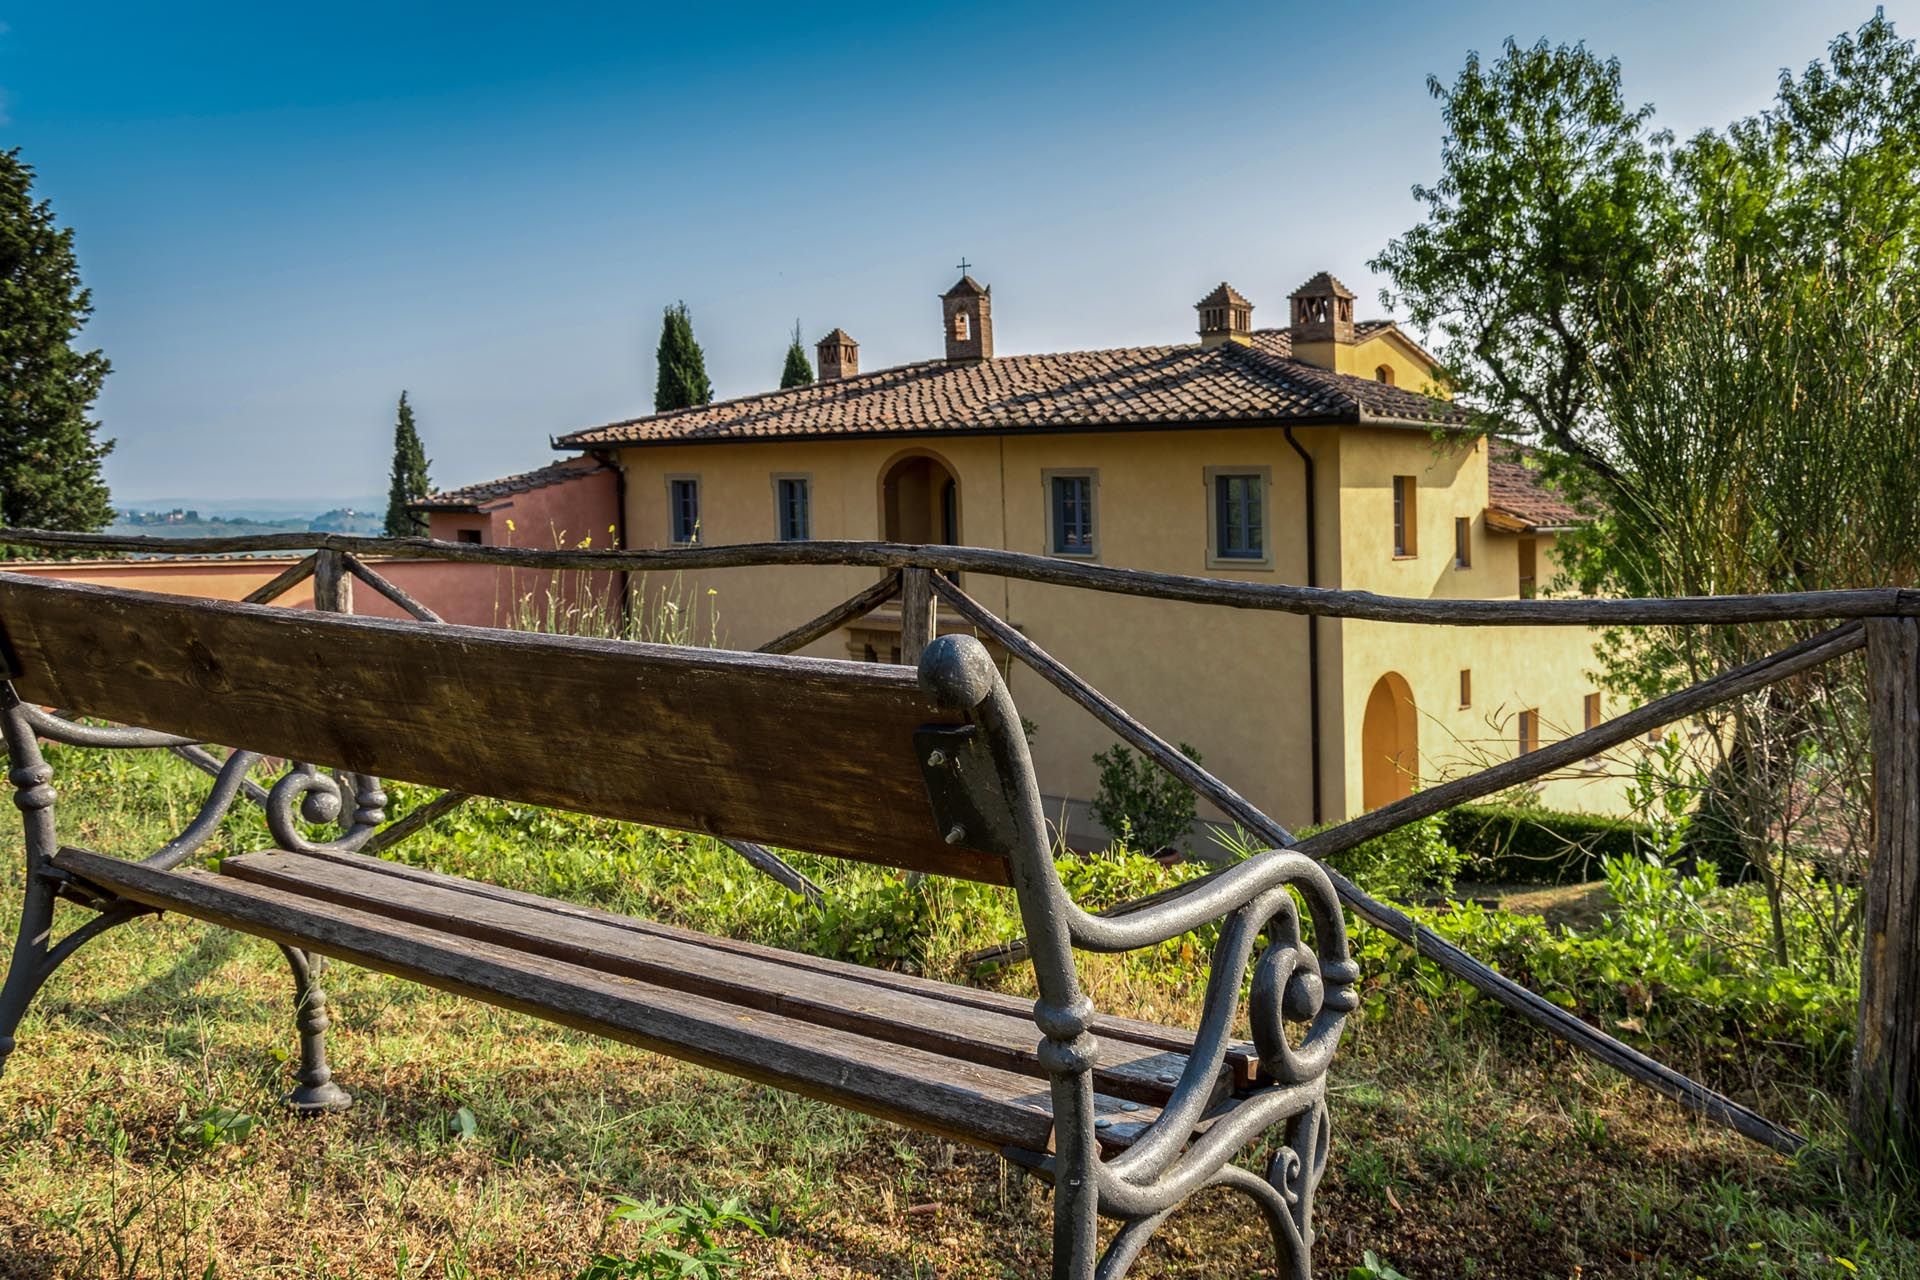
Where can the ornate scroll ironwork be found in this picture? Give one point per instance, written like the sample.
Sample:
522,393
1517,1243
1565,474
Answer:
982,785
303,797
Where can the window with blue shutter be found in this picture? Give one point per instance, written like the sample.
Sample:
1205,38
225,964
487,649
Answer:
1072,502
793,500
1239,523
683,510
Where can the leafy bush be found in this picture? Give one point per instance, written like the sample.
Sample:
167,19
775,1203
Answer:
1680,961
1140,803
1409,862
1528,845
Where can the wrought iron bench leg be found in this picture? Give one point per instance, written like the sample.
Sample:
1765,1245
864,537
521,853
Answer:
316,1093
35,953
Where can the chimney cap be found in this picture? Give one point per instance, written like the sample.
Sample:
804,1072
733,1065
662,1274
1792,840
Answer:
1322,285
838,338
1223,296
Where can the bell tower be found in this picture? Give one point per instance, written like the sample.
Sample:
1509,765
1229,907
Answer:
966,310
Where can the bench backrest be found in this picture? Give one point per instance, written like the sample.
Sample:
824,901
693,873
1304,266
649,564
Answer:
800,753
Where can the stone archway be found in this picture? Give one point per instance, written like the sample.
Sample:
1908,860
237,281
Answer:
1389,743
920,501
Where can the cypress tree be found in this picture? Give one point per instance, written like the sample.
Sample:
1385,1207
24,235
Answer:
409,483
49,455
798,373
682,378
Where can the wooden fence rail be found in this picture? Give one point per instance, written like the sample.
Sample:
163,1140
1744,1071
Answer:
1884,621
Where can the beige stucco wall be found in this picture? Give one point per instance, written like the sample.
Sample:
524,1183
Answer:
1232,683
1412,371
1548,669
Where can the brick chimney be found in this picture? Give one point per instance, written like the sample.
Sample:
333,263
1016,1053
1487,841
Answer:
838,356
967,310
1322,320
1225,316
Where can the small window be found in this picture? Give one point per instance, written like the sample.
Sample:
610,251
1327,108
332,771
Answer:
1406,518
962,326
683,510
1528,564
1239,516
1462,542
1466,687
467,535
1070,502
1529,731
1384,374
793,508
1591,710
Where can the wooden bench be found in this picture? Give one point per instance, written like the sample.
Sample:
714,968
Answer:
927,772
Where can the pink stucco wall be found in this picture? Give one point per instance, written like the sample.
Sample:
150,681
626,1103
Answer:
572,512
583,508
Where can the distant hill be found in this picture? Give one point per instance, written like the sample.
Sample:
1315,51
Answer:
192,522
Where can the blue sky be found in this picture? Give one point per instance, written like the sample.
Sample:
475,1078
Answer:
288,214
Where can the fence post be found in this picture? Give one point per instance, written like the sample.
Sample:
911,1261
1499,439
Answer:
1885,1112
918,607
332,584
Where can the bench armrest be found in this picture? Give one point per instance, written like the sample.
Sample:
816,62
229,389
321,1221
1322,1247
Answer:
983,787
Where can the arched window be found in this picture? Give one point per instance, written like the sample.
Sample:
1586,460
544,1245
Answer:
1384,374
962,326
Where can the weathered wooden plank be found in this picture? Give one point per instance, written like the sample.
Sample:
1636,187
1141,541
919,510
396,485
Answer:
961,1100
392,591
799,753
1885,1103
283,582
1326,602
768,983
1242,1058
332,584
918,620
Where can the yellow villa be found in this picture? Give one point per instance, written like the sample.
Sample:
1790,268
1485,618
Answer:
1322,453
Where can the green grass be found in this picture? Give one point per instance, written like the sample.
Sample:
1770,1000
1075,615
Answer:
141,1135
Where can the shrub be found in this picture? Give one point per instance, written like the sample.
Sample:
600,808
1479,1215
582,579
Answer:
1540,846
1140,803
1680,962
1413,860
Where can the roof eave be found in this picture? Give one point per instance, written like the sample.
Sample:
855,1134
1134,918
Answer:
1342,418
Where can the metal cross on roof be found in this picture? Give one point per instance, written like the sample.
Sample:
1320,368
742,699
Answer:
964,264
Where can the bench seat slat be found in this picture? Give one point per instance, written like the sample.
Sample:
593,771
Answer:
958,1099
989,1037
1243,1059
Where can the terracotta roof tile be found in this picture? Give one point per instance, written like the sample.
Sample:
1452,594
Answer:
1516,489
472,497
1077,390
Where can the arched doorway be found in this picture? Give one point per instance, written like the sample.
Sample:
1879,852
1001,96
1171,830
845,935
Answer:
1389,743
920,502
